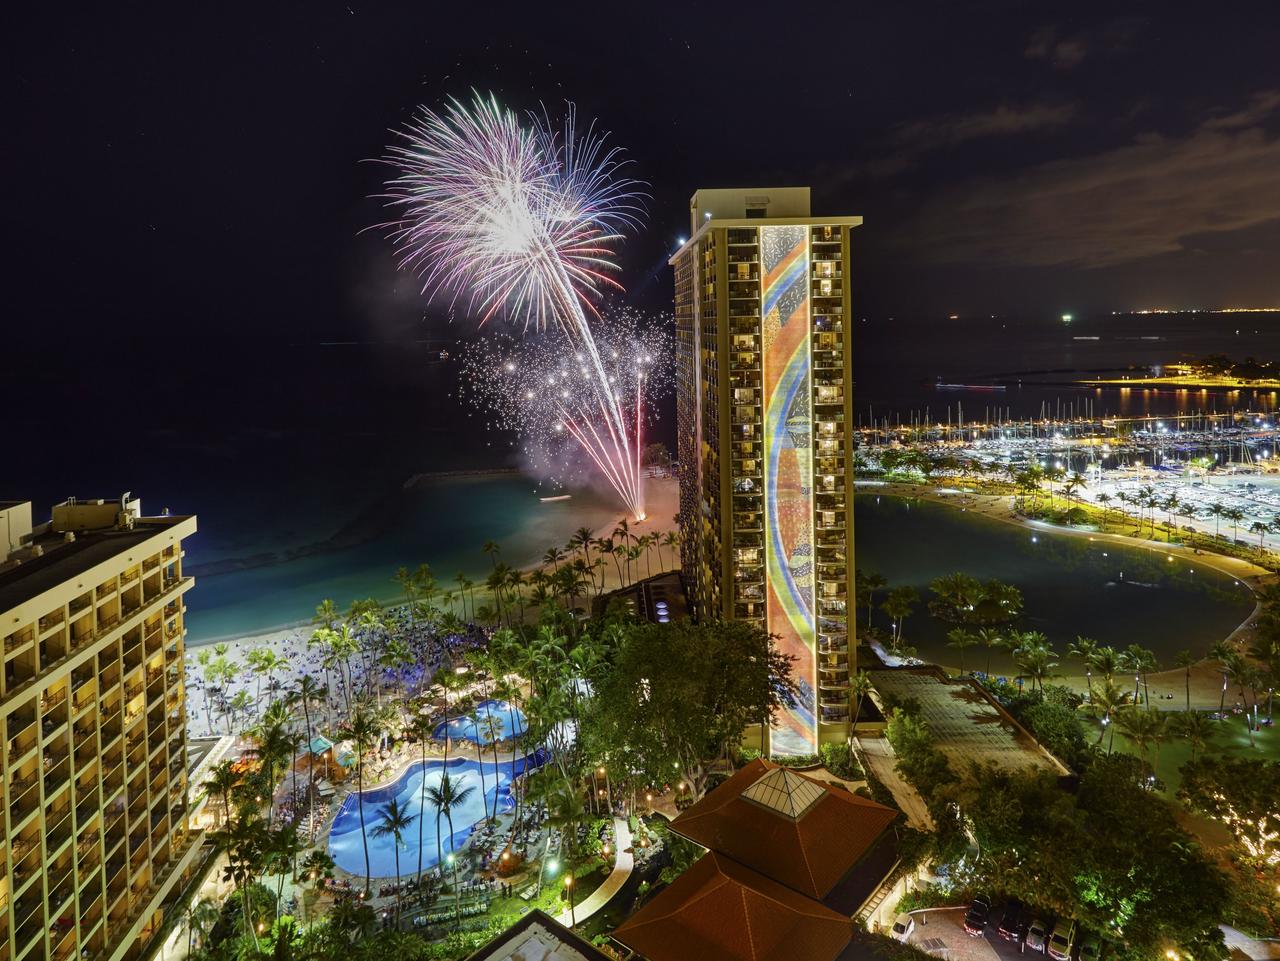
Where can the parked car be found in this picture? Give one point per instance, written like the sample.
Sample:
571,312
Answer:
1037,935
1012,923
902,927
975,919
1063,940
1090,947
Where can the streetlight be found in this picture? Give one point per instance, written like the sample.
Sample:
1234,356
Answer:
568,883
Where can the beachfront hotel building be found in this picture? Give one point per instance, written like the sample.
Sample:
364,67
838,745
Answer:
763,406
93,769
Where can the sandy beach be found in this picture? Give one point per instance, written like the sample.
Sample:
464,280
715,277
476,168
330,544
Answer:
662,503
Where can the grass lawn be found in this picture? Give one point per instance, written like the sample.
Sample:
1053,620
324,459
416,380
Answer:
1230,738
506,911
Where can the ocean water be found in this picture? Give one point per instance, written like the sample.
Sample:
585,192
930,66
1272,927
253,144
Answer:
898,361
280,445
443,522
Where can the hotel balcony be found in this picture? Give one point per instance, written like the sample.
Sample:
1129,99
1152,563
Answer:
832,625
833,713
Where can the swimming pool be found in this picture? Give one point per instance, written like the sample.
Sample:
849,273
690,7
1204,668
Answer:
345,845
502,714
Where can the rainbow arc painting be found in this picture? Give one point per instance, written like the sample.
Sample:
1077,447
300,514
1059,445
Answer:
788,494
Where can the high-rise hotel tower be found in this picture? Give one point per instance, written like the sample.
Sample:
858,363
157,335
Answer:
96,849
764,403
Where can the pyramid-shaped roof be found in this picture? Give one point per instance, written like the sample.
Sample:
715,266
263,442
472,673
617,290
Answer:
782,830
786,792
719,910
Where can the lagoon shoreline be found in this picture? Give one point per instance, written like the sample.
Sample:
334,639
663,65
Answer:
1206,679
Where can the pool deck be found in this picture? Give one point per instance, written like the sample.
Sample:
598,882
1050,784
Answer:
623,864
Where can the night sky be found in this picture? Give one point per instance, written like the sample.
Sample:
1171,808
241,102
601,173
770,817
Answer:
210,170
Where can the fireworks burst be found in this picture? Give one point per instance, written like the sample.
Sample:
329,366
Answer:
522,219
541,388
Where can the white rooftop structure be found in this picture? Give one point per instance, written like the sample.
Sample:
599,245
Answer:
785,792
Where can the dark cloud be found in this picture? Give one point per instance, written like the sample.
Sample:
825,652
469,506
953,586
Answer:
909,142
1063,52
939,132
1126,204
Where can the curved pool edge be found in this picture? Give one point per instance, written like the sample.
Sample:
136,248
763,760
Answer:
531,761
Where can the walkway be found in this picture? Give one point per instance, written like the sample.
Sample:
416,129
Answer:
612,884
1242,946
880,759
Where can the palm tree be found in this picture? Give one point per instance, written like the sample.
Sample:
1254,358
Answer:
1158,733
1196,728
991,638
1035,658
199,918
1222,653
1085,648
223,779
1105,500
493,550
421,729
1185,660
305,692
1217,510
1141,727
1235,515
959,638
1106,700
1241,672
444,797
281,852
363,730
671,539
898,605
859,688
1141,661
1106,661
395,821
870,584
553,556
1260,528
564,813
1169,505
491,729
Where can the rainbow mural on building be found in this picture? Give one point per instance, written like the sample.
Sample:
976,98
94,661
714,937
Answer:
788,473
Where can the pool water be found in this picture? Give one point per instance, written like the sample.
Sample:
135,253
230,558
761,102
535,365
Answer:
1119,595
463,728
347,850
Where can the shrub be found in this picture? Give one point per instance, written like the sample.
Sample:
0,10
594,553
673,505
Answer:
922,764
928,896
839,760
795,760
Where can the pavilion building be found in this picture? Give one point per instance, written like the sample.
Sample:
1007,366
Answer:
96,847
790,862
763,411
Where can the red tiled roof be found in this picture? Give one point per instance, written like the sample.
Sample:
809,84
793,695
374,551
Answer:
809,854
719,910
